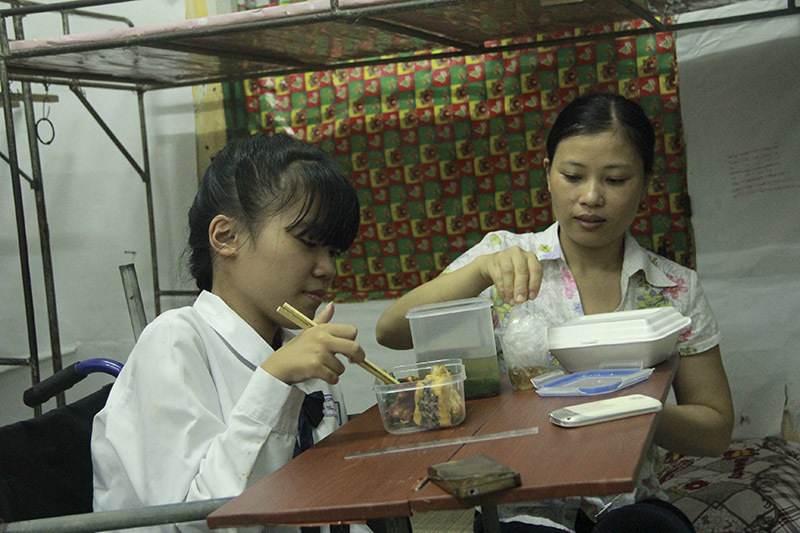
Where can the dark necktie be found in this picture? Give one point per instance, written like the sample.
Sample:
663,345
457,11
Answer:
310,417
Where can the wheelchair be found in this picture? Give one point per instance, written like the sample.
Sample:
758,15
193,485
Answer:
46,481
45,462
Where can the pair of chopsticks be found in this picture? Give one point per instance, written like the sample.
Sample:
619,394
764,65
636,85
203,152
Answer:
302,321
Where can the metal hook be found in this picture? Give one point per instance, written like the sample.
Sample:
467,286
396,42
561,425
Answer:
45,119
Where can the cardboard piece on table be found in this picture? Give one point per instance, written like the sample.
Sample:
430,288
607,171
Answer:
473,476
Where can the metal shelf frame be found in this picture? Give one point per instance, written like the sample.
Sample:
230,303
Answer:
366,17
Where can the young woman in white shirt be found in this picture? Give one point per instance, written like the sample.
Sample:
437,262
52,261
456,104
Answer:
209,400
600,155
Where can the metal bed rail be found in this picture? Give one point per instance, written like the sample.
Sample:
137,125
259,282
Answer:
123,519
364,16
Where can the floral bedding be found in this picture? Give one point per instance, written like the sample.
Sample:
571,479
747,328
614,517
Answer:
753,487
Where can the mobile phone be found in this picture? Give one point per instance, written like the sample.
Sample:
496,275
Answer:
604,410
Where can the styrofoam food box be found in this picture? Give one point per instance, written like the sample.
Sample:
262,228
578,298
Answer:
639,338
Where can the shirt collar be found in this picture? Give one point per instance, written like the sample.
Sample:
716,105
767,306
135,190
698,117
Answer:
547,245
636,258
236,333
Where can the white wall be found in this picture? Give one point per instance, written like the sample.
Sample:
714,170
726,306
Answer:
739,102
96,212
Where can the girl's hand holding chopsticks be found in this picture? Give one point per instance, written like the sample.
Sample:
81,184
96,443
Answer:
313,354
300,320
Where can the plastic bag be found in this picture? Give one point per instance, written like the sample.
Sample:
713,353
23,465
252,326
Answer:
524,344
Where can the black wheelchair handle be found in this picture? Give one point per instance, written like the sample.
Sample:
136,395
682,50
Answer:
58,382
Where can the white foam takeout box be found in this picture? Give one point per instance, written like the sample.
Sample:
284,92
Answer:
640,338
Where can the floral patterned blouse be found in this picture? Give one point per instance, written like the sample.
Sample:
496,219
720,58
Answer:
647,280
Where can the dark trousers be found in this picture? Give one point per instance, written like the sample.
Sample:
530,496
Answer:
653,516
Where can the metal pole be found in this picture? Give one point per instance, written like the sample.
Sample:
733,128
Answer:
491,519
130,284
396,525
75,12
642,13
43,8
124,519
148,186
44,228
16,187
27,178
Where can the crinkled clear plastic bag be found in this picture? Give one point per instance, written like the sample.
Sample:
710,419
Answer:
524,344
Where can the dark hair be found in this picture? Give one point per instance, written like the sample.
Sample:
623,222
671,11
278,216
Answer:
599,112
254,178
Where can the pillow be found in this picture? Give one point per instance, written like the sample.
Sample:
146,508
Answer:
753,487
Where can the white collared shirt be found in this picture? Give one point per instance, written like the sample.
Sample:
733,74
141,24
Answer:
192,416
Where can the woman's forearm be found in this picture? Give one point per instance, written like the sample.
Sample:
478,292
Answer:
696,430
702,422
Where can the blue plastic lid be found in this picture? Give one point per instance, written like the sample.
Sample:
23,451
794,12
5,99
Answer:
591,382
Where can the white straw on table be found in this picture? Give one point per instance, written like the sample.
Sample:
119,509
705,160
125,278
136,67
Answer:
301,320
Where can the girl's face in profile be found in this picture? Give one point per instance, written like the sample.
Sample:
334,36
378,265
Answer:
596,182
276,266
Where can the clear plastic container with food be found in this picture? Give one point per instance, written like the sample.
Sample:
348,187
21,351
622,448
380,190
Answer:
430,395
459,329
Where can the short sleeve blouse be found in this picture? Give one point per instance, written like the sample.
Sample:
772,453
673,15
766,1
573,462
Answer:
647,280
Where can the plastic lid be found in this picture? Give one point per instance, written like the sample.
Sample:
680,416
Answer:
451,307
617,328
591,382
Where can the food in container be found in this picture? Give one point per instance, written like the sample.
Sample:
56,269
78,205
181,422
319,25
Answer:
459,329
639,338
430,395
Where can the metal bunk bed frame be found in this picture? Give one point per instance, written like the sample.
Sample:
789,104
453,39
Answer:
365,16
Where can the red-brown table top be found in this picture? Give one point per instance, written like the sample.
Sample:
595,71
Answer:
322,486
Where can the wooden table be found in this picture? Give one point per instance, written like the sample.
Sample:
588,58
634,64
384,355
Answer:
321,486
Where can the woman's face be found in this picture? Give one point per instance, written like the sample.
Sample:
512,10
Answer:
596,182
276,266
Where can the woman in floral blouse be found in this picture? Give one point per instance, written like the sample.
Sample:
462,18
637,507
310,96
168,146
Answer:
599,164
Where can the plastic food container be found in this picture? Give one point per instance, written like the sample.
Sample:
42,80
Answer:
436,400
590,382
640,338
459,329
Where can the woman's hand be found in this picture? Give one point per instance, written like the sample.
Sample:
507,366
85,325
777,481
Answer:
312,354
515,273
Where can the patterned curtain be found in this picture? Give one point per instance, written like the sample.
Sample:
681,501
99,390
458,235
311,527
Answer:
444,151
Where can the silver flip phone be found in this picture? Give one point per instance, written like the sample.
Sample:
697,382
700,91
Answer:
604,410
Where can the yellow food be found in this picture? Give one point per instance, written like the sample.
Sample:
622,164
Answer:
436,402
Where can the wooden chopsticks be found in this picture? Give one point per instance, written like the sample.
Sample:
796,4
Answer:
301,320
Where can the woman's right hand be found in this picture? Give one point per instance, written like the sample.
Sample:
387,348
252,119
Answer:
312,354
515,273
